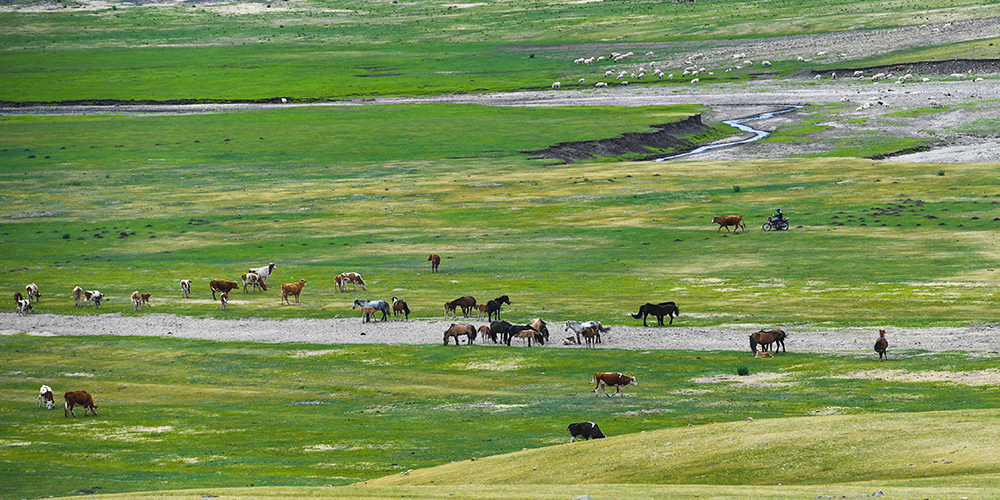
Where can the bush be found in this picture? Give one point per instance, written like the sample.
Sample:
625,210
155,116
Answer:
742,370
66,236
736,189
941,172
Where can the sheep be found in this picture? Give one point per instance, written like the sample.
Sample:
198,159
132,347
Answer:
766,64
859,73
556,85
642,75
582,80
589,60
670,76
608,73
695,81
624,83
817,77
578,60
878,76
600,58
748,63
600,85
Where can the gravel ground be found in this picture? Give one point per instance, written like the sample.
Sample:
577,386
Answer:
984,338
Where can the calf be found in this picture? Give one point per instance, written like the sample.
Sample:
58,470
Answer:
81,398
254,280
94,298
136,301
24,307
584,430
612,379
186,288
292,289
145,298
78,296
222,286
881,345
45,397
18,297
224,299
354,279
264,272
435,261
32,290
730,220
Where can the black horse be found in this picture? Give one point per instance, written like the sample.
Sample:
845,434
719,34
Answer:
498,328
659,310
494,305
513,330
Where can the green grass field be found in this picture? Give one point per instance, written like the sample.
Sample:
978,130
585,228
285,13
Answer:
182,414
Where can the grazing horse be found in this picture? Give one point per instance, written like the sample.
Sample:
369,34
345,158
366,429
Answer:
379,305
659,310
578,327
765,337
881,345
399,308
466,303
458,330
435,261
540,326
494,305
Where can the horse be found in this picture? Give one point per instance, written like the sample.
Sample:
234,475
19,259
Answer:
435,260
589,332
379,305
466,303
494,305
480,311
367,313
577,328
458,330
485,332
498,329
659,310
540,326
523,332
881,345
765,337
399,308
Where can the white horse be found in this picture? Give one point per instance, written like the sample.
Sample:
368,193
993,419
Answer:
578,327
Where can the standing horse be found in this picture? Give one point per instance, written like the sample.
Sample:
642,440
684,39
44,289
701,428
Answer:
399,308
379,305
494,305
435,260
458,330
466,303
881,345
541,327
659,310
765,337
578,327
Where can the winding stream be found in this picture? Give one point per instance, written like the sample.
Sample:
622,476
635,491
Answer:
738,123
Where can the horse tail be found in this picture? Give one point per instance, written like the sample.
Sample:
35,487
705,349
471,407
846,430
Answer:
753,346
638,314
406,309
603,328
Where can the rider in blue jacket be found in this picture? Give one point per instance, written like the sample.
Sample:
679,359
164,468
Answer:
778,217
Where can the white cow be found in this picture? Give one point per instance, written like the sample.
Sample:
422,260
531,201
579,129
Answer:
264,272
45,397
186,288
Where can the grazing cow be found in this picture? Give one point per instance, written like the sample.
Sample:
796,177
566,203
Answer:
578,327
186,288
540,326
18,297
435,260
145,298
264,272
94,298
292,289
224,299
24,307
354,279
254,280
32,290
380,305
730,220
136,301
766,337
493,306
81,398
881,345
584,430
222,286
46,398
399,308
367,313
612,379
659,310
466,303
78,296
458,330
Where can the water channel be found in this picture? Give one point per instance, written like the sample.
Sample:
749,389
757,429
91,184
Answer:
738,123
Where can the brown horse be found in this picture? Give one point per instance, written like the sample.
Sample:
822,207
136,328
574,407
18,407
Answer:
435,260
399,308
881,345
765,337
459,330
466,303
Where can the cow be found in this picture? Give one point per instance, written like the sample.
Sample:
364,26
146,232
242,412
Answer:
224,299
612,379
186,288
46,398
82,398
136,301
32,291
292,289
584,430
264,272
24,307
18,297
352,278
78,296
881,345
730,220
766,337
659,310
254,280
458,330
224,286
145,298
400,308
94,298
435,261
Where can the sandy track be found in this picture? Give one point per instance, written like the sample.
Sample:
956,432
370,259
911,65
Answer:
984,338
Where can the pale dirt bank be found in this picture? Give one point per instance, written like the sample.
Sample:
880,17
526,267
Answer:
984,338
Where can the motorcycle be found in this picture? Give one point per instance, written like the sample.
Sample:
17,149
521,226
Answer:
781,225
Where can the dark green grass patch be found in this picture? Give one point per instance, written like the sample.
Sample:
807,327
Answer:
177,414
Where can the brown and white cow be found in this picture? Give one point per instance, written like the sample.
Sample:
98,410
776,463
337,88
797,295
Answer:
94,298
254,280
292,289
729,220
186,288
617,380
32,291
354,279
224,299
46,398
81,398
435,261
223,286
264,272
136,301
24,307
78,296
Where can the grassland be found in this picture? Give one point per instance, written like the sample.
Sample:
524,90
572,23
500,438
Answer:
181,414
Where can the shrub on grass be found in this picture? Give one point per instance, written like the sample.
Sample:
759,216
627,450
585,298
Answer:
742,370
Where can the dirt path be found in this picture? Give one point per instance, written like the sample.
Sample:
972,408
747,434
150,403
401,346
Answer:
985,338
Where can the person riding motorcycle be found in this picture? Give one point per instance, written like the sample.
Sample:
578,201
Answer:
778,217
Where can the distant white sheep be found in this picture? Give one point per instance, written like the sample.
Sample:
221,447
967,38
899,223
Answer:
582,80
878,76
608,73
556,85
859,73
624,83
695,81
766,64
958,76
600,85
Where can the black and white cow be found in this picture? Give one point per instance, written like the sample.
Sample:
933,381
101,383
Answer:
45,398
585,430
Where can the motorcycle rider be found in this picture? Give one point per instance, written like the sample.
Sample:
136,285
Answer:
778,217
